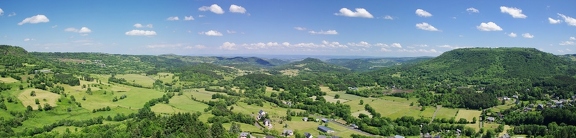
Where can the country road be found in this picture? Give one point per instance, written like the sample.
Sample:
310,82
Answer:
434,116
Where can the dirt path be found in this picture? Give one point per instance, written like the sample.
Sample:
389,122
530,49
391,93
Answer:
434,116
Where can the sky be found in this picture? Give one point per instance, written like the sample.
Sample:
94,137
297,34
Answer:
383,28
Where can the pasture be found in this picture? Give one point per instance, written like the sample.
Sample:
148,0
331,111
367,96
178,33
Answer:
342,94
468,114
145,81
8,80
43,96
135,98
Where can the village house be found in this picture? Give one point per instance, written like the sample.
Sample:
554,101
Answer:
540,107
305,119
398,136
427,135
325,129
491,119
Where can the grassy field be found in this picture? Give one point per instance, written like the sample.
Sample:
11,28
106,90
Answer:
182,104
43,96
135,97
468,114
8,80
501,107
138,79
165,77
342,94
200,94
392,107
312,127
447,113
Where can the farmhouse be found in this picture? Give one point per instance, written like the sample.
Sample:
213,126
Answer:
308,135
491,119
267,123
325,129
287,132
305,119
245,135
397,136
261,114
540,107
325,120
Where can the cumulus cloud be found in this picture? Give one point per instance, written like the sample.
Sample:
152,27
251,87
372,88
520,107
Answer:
12,14
490,26
230,31
174,18
137,25
472,10
286,44
188,18
237,9
213,8
1,12
565,43
423,13
426,26
572,38
568,20
35,19
512,34
450,47
419,50
329,32
82,30
360,12
385,50
552,21
228,46
396,45
300,28
514,12
360,44
388,17
28,39
141,33
212,33
527,35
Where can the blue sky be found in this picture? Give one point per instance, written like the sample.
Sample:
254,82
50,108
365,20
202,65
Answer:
297,27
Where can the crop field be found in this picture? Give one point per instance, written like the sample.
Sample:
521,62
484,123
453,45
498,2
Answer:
8,80
41,95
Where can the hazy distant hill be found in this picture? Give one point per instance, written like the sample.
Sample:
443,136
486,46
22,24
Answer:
364,64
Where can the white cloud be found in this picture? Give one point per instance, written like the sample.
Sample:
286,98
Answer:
472,10
71,29
200,16
512,34
28,39
396,45
329,32
286,44
360,12
515,12
140,33
552,21
54,26
149,26
572,38
385,50
564,43
388,17
426,26
490,26
212,33
138,25
381,45
237,9
230,31
35,19
84,30
569,20
165,45
188,18
360,44
300,28
422,13
228,46
451,47
174,18
419,50
1,12
213,8
527,35
12,14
